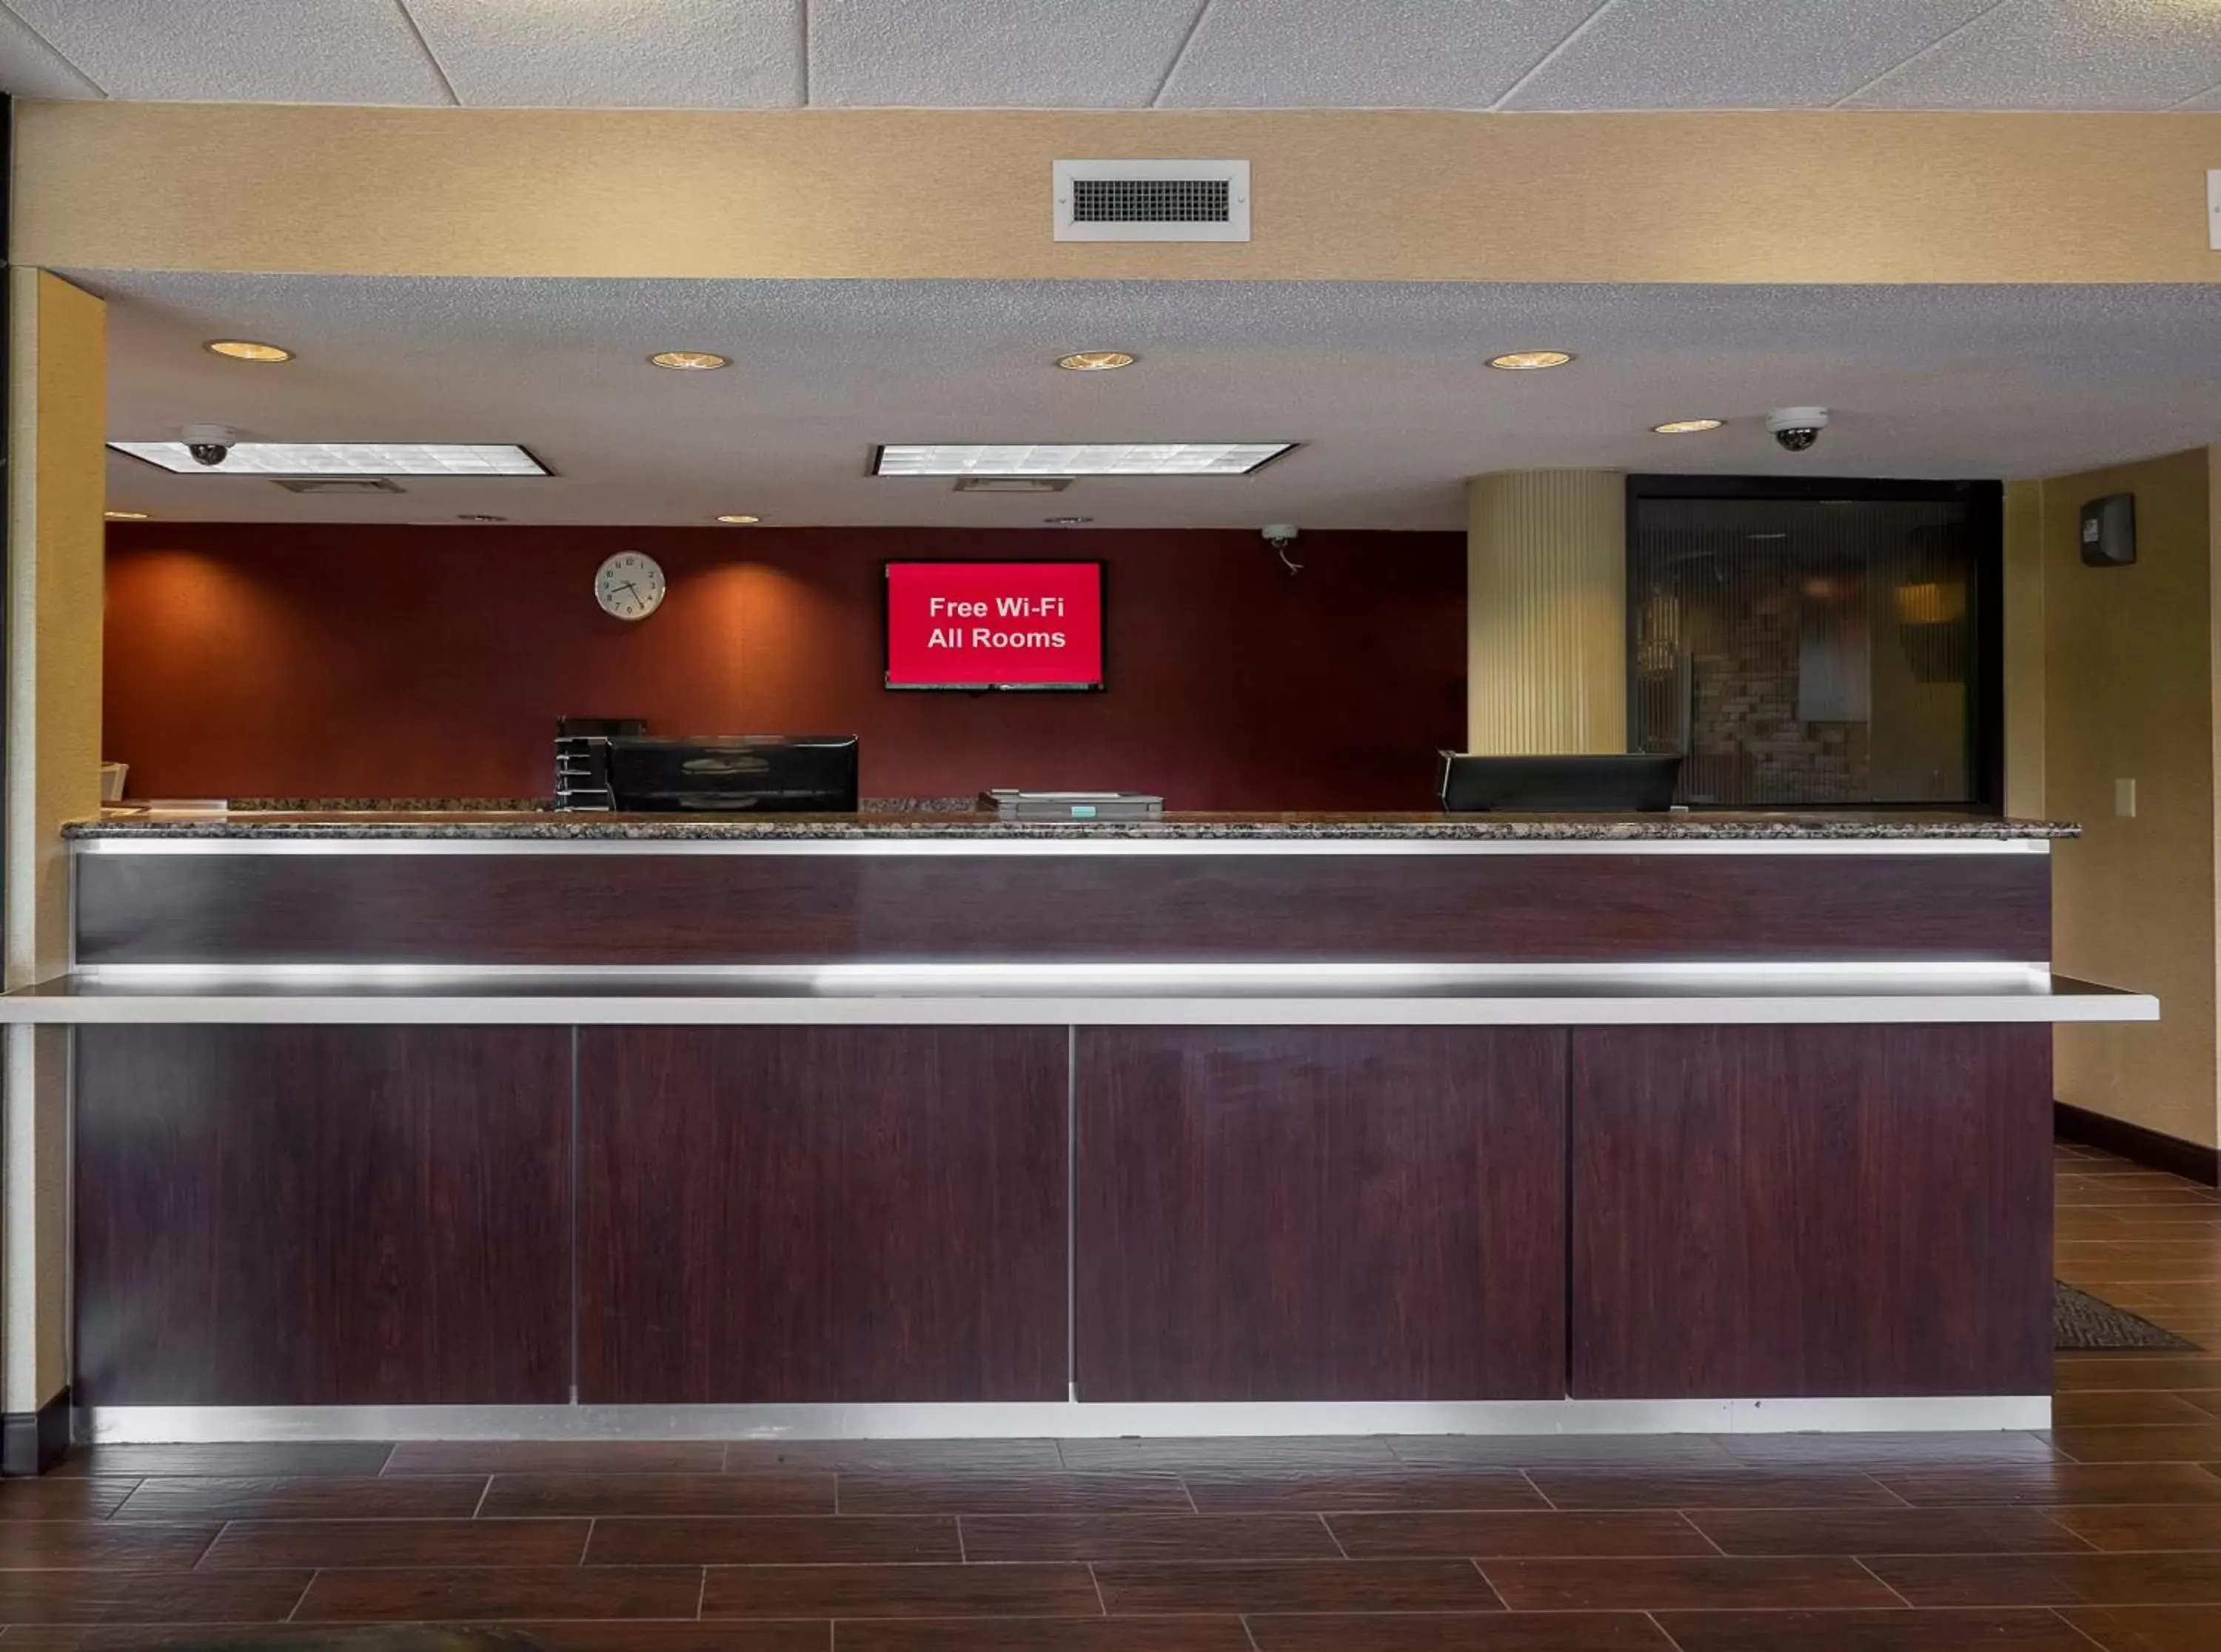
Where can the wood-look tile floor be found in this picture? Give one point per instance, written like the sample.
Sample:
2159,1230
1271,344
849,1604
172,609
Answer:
2104,1534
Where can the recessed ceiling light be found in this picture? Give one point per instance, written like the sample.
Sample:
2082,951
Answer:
480,516
125,515
1066,522
690,361
344,458
1075,458
1526,361
740,519
1686,426
247,350
1096,361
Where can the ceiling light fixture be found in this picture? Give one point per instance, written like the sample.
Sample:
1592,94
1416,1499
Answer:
1528,361
1066,522
247,350
691,361
126,515
1075,458
1686,426
1096,361
740,519
344,458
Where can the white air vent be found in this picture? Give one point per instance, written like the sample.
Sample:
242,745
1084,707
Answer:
1152,200
342,484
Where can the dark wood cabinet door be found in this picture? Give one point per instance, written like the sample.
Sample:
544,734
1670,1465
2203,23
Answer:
822,1213
1763,1211
1321,1214
323,1215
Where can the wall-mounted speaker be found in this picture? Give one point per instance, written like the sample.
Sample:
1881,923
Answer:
2109,531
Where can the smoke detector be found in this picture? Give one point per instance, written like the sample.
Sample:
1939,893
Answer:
1151,200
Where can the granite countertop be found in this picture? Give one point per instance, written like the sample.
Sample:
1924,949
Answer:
525,825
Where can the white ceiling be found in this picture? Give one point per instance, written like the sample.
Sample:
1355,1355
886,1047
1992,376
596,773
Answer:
1384,383
1528,54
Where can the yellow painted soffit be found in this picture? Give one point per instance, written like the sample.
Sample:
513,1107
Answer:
1727,197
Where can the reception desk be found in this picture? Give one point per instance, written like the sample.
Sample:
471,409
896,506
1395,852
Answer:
549,1126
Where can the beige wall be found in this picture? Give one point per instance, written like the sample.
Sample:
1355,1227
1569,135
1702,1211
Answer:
2129,689
2024,647
1346,195
1546,612
57,482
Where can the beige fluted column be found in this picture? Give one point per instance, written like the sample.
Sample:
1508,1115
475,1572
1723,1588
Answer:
1546,612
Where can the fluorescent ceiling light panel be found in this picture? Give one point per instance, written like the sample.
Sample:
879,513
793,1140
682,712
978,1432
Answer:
344,458
1076,459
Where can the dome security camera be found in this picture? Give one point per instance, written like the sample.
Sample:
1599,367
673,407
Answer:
209,444
1797,428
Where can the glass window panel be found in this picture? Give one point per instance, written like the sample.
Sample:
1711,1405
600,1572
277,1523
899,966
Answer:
1804,652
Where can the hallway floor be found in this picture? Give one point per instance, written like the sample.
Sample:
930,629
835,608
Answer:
2107,1533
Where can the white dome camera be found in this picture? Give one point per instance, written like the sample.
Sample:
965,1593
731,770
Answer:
1797,428
209,444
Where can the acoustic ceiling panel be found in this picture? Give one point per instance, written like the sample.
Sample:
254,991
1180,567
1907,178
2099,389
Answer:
1527,54
2084,54
1734,54
29,67
218,50
618,53
1367,54
994,53
301,51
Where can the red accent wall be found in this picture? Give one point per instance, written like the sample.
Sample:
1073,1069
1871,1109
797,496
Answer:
283,660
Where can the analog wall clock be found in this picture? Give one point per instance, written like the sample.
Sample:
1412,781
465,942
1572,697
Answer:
630,585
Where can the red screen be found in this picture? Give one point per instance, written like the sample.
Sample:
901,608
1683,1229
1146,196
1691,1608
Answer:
973,625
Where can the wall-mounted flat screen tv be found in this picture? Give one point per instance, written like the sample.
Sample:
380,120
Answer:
969,626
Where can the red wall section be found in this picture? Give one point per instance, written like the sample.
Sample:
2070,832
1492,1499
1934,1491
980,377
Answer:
265,660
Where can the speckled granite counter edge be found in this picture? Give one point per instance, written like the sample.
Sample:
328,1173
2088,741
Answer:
574,829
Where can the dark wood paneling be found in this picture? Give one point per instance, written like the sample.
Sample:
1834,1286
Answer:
822,1213
323,1215
1312,1214
679,909
1824,1211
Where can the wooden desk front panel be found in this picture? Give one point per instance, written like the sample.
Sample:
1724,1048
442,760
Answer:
821,1213
323,1215
524,909
1317,1214
1825,1211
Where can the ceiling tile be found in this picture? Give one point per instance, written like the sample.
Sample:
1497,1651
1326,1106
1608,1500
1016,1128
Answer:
2064,54
994,53
1367,53
29,67
618,53
1739,54
302,51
